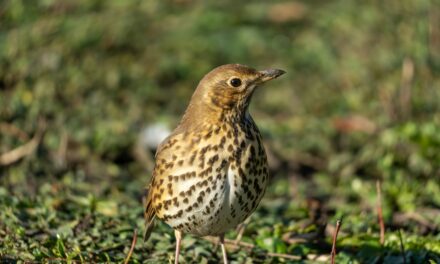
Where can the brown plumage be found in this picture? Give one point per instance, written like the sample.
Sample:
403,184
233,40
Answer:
211,172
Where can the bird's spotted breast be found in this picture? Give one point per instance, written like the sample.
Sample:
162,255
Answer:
213,182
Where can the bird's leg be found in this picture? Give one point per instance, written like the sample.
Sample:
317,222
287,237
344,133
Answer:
222,244
178,236
240,230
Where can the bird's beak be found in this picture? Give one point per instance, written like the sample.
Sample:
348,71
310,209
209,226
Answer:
267,75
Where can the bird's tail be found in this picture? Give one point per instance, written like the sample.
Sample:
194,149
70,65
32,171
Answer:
149,215
149,225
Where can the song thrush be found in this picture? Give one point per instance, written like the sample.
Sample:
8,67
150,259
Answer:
211,172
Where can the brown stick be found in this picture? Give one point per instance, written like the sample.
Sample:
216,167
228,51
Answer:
233,244
335,236
12,130
284,256
133,243
25,149
379,212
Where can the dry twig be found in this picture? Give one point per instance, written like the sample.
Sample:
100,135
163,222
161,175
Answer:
233,245
23,150
403,218
10,129
335,236
379,212
133,243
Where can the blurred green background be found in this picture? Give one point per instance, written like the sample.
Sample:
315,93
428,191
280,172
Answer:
81,81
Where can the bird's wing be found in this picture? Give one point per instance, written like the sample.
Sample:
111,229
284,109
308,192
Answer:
163,151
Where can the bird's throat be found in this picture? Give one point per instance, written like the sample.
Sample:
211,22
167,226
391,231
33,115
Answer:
201,115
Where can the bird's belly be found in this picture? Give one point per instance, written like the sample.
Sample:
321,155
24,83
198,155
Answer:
220,204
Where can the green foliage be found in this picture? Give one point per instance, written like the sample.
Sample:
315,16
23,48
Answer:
359,104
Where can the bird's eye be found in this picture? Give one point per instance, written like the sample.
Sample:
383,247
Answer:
235,82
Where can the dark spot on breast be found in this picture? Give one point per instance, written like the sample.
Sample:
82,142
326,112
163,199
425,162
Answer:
193,157
223,165
205,172
213,159
222,142
208,135
252,149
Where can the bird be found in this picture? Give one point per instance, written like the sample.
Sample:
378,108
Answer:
211,172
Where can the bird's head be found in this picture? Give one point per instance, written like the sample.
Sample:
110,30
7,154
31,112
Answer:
230,87
224,93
